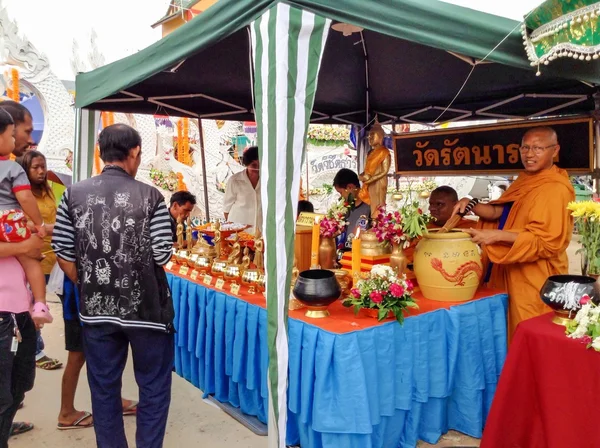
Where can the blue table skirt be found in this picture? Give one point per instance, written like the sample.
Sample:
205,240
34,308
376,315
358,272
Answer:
382,387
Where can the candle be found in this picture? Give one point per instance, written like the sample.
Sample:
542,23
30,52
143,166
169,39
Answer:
356,244
316,237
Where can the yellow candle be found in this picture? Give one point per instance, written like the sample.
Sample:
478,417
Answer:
316,237
356,260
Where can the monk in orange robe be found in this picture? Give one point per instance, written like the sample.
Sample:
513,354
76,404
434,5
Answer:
531,244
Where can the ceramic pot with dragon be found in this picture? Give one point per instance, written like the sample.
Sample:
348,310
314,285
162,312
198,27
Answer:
448,266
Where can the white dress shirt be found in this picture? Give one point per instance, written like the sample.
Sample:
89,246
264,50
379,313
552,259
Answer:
242,201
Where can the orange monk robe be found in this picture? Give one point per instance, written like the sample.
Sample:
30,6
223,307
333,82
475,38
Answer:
544,225
462,224
374,159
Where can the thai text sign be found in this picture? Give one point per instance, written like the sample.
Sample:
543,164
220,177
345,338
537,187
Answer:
490,149
332,162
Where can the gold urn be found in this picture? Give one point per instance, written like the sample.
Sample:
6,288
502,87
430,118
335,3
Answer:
371,246
448,266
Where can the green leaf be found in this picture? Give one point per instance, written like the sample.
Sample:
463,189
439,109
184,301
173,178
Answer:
400,318
347,303
382,313
356,309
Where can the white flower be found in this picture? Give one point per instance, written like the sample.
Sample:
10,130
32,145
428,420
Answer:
382,270
596,344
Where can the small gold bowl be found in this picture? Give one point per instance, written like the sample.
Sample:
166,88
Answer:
261,283
203,265
250,277
232,273
182,257
191,260
218,268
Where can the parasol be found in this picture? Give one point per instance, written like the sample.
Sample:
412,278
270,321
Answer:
563,29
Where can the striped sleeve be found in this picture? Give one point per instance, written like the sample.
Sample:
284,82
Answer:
161,234
63,235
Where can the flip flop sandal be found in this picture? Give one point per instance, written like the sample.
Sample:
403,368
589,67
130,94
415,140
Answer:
18,428
46,363
131,409
77,424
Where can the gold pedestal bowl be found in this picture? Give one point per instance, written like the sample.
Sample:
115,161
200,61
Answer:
218,268
203,264
233,273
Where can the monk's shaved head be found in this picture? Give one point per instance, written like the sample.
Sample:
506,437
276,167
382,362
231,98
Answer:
546,132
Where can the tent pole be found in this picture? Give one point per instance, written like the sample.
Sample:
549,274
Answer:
76,146
204,173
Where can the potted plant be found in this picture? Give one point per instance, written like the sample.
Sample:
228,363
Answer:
382,294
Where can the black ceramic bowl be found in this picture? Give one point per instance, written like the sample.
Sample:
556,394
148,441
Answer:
563,292
317,288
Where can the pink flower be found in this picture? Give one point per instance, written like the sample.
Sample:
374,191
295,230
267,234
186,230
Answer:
396,290
355,292
376,297
586,339
584,299
409,285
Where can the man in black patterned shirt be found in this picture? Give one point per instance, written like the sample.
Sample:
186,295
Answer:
112,236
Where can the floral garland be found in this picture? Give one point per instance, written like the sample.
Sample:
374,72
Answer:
384,292
586,325
330,135
166,182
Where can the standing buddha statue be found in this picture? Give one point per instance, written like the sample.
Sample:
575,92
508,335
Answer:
374,177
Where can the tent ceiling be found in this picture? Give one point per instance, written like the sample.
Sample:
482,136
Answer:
408,81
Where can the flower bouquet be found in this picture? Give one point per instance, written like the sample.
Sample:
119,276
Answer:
587,222
586,325
401,226
334,221
383,291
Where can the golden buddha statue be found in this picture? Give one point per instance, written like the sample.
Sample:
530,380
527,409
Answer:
188,233
179,233
259,248
236,252
246,259
374,177
217,239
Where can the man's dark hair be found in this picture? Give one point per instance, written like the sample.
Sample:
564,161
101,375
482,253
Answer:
6,120
116,141
305,206
250,155
16,110
345,177
182,198
445,189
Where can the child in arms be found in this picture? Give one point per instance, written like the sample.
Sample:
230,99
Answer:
15,198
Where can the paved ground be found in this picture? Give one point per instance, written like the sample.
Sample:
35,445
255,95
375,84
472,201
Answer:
192,421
